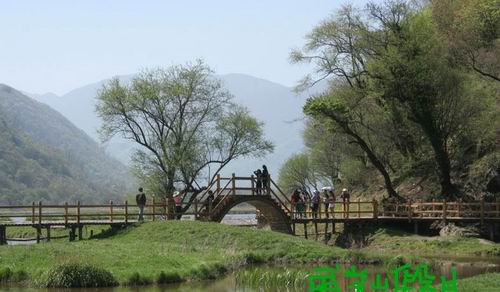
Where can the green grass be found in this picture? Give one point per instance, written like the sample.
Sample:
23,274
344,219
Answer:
30,233
180,250
394,241
287,279
482,283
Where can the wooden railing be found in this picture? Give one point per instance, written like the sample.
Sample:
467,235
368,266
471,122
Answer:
479,210
77,213
224,187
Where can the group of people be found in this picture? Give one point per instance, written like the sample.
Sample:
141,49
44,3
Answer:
140,200
300,199
262,181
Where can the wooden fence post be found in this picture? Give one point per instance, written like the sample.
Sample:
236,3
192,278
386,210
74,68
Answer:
126,212
375,209
154,207
359,208
498,208
459,205
65,213
111,211
433,207
444,210
195,209
482,211
39,212
78,212
233,183
252,184
32,212
218,183
410,211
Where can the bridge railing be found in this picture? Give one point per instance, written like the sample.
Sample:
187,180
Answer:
479,210
77,213
240,185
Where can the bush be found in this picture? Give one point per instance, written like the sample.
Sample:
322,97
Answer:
74,275
397,261
166,278
137,279
7,275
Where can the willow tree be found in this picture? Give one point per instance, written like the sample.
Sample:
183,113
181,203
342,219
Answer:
184,122
339,49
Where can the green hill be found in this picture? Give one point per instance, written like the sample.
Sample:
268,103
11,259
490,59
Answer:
180,249
45,157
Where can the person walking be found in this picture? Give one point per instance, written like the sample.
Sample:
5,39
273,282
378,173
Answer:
178,205
210,200
315,204
331,207
326,203
265,180
345,200
299,203
140,199
258,181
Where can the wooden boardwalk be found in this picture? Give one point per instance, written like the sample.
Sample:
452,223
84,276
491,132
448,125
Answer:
272,205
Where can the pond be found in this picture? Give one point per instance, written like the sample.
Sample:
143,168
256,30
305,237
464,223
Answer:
466,267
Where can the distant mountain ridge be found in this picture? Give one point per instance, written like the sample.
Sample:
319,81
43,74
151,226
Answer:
86,171
274,104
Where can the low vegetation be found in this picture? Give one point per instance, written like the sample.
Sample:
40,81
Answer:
165,252
395,241
74,275
285,279
483,283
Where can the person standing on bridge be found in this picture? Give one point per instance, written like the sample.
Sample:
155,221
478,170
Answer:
326,202
295,200
140,199
258,183
178,205
265,180
210,200
331,208
345,200
315,204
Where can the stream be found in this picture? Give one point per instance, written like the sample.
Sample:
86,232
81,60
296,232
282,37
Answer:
466,267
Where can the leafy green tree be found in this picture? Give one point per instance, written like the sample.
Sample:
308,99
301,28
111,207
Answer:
298,173
411,71
185,123
471,29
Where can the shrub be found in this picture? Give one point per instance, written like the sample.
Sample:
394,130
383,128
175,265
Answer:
137,279
7,275
397,261
166,278
73,275
208,271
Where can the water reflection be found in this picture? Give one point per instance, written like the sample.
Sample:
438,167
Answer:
228,283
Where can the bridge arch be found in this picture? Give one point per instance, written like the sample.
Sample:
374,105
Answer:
272,212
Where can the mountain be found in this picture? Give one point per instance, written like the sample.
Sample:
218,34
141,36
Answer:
44,156
276,105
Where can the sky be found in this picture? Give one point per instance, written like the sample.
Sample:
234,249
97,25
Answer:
56,46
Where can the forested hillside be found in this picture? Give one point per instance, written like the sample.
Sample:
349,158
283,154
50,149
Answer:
413,107
45,157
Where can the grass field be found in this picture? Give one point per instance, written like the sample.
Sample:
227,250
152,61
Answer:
181,250
393,241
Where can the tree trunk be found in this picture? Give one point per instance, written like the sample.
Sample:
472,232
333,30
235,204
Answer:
377,163
448,189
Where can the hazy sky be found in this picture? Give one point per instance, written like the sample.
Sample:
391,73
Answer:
56,46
